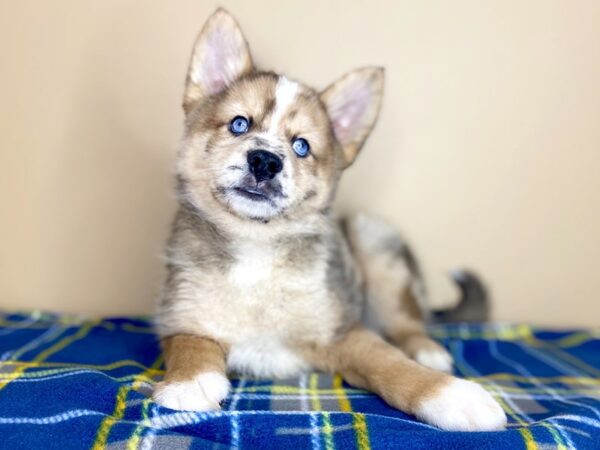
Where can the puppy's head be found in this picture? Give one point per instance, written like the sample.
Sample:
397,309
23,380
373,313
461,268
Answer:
258,145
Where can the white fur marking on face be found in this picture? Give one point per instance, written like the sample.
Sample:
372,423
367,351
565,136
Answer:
265,356
462,406
435,359
204,393
285,94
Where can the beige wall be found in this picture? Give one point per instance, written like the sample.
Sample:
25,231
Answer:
487,152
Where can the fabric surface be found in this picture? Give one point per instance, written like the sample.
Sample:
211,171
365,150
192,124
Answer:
73,383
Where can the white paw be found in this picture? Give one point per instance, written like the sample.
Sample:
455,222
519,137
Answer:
436,359
462,406
204,393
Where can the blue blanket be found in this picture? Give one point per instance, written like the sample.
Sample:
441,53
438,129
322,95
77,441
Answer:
67,382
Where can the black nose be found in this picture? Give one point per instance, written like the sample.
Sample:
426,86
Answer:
264,165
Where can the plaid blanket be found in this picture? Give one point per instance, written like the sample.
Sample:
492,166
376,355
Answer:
67,382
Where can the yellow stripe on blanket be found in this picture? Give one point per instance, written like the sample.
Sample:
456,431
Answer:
120,405
83,331
528,438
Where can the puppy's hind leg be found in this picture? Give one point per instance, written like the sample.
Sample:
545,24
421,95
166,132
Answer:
395,293
365,360
196,374
410,335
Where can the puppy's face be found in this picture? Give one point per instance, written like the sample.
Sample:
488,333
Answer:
261,148
258,145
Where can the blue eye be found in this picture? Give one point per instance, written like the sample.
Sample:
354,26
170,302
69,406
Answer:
301,147
239,125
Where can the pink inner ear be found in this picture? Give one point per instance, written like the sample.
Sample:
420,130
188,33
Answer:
349,109
219,52
222,61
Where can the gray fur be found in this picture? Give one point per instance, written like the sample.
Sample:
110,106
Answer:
474,304
344,278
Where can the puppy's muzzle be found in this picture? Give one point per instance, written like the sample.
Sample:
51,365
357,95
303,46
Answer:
264,165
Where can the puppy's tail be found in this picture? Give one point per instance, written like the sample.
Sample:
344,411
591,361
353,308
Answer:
473,305
392,274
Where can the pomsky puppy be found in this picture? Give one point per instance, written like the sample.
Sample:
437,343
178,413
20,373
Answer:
263,280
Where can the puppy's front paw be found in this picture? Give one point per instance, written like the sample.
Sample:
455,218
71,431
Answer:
435,358
204,393
462,405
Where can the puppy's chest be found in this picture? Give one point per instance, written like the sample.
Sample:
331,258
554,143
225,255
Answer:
272,292
253,266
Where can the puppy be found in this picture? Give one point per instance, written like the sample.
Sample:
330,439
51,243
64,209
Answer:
262,279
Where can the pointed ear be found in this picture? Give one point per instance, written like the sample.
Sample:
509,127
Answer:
353,103
220,57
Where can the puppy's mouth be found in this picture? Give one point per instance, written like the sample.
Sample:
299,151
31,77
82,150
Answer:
261,192
255,194
256,200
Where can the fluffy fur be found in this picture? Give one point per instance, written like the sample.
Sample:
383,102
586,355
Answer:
262,278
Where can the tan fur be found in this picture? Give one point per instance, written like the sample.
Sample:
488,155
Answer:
266,283
367,361
186,356
196,374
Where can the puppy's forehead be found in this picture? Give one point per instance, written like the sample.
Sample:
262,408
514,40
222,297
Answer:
269,99
286,95
253,93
